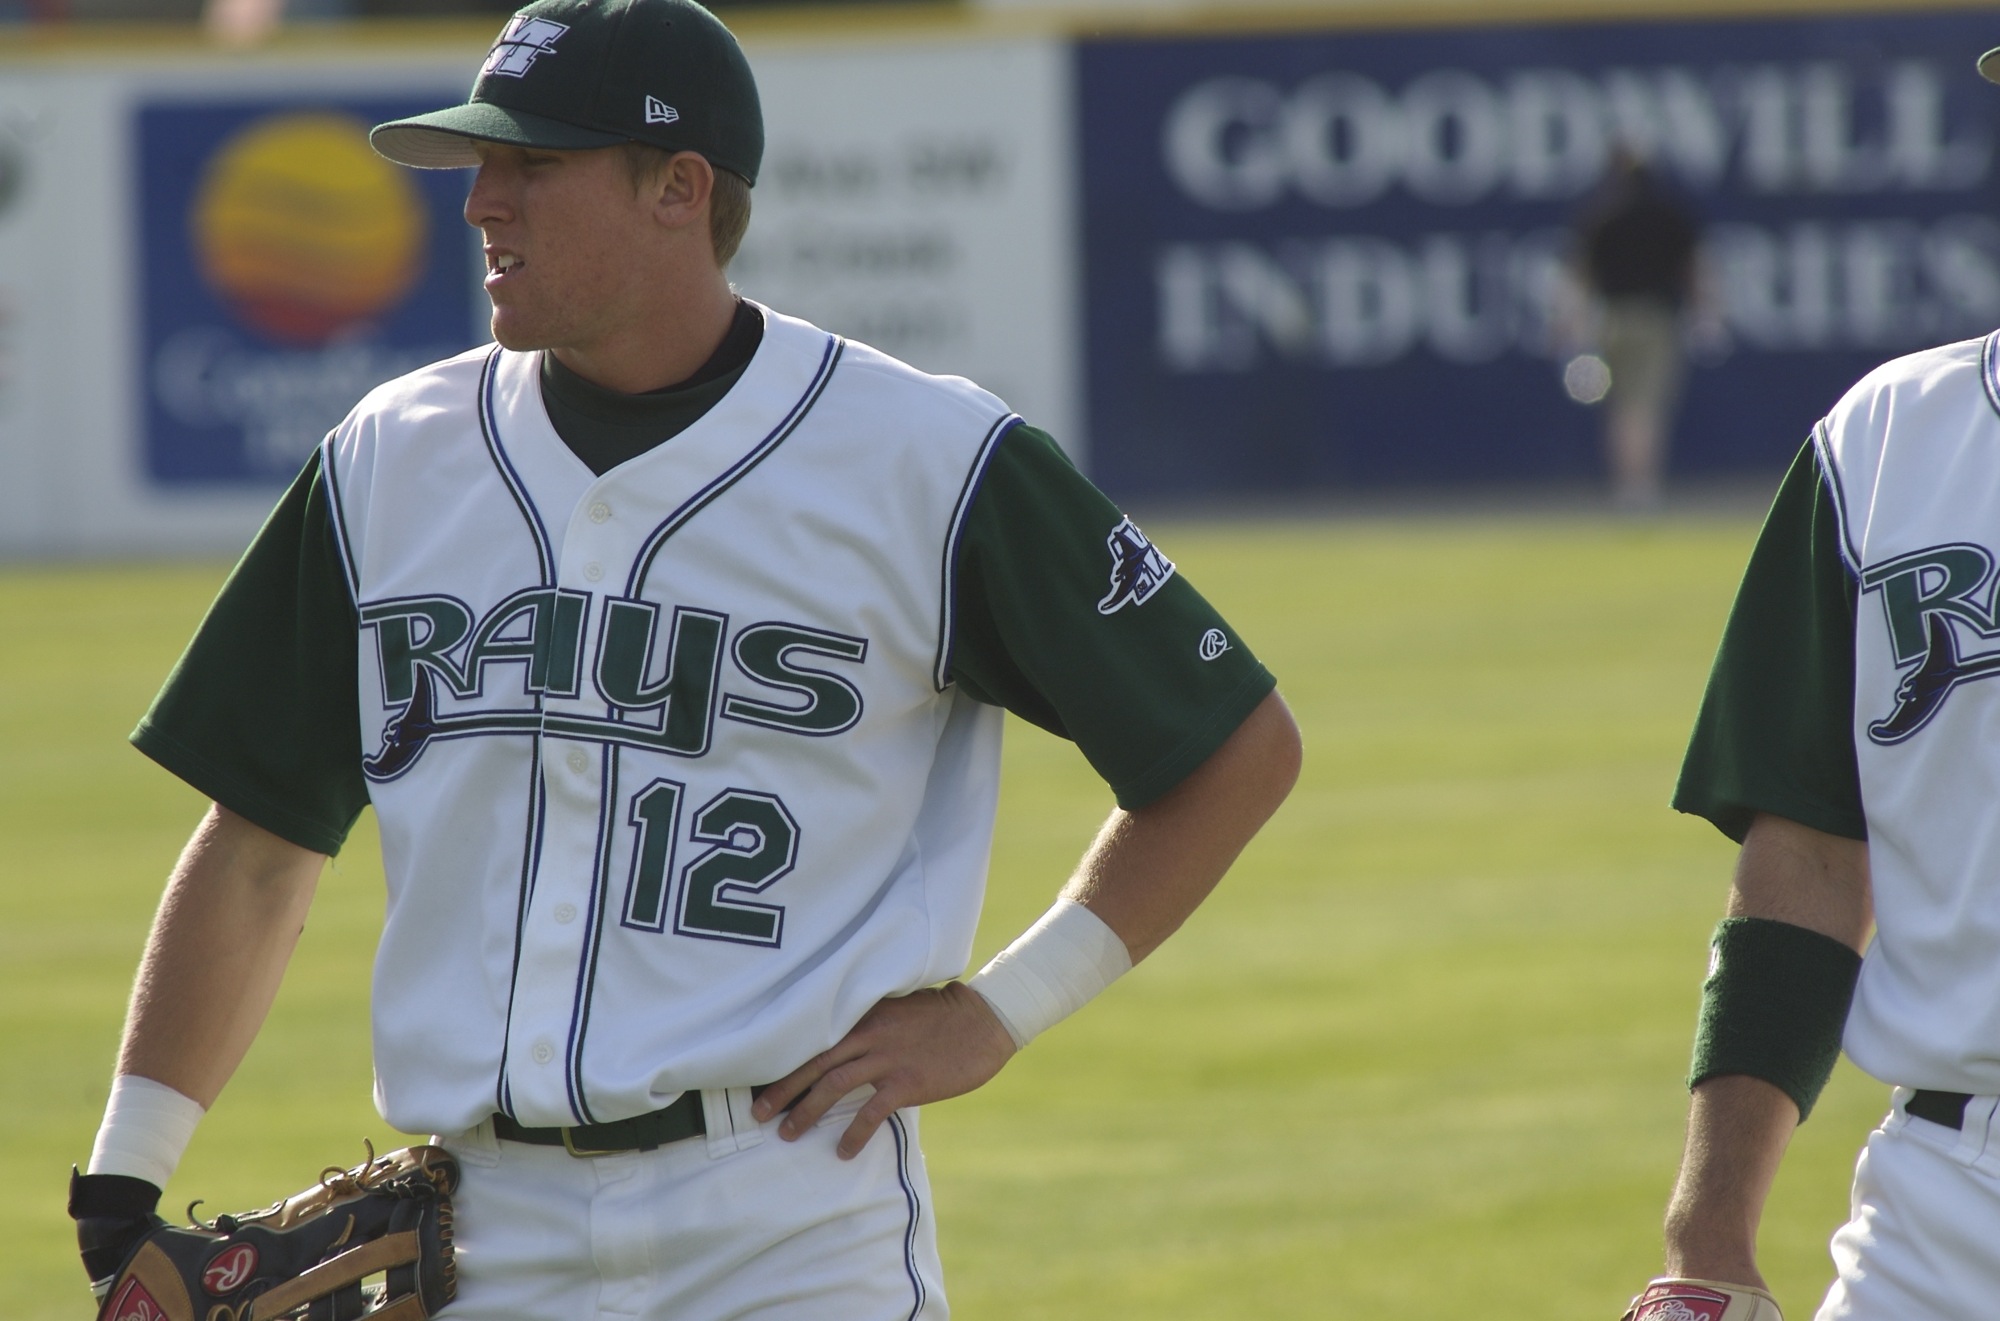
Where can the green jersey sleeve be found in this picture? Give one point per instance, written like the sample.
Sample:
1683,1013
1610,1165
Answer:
1067,616
262,713
1776,728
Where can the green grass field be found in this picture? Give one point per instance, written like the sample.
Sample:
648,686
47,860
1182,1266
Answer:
1418,1058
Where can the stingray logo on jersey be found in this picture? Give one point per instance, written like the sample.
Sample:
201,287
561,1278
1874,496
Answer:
1137,568
1936,602
660,672
521,43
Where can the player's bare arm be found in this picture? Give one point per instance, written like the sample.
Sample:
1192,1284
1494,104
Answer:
1149,870
225,930
1739,1126
1145,873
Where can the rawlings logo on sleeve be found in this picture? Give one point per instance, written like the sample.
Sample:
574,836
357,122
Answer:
1137,569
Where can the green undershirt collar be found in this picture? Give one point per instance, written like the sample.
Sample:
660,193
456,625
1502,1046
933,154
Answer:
605,428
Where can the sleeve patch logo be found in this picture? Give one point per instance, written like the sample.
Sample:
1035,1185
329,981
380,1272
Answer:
520,44
1213,644
1137,569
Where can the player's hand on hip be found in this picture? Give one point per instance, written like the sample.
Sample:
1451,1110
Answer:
912,1049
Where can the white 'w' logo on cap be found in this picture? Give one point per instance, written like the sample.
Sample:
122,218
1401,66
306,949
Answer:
523,40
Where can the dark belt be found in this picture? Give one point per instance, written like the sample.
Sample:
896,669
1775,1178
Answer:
1947,1108
682,1119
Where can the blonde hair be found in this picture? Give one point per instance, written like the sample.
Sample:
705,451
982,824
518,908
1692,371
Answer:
728,202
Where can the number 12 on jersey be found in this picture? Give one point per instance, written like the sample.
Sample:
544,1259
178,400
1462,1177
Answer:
753,842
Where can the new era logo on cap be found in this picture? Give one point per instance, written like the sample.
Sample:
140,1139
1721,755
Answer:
520,43
659,112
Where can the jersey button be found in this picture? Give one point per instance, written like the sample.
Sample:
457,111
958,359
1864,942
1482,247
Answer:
564,913
600,512
543,1052
579,760
593,571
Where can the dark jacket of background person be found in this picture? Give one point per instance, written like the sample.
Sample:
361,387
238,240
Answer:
1637,240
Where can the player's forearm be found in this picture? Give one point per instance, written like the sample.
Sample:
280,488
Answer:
1148,870
1738,1128
224,932
1739,1125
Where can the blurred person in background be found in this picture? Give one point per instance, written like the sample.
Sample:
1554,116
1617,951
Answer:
1635,262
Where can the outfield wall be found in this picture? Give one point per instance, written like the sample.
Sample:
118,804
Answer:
1333,259
202,265
1212,256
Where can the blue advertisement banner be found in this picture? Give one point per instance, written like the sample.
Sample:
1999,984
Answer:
286,270
1337,260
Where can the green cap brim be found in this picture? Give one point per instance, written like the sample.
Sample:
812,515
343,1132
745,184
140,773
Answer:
442,139
1989,66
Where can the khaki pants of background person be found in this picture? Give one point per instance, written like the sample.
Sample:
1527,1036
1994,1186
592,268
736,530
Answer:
1641,344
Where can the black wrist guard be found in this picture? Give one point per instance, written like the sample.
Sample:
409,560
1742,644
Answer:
1774,1006
112,1213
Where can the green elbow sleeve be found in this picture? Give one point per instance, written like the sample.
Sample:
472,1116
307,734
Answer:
1774,1006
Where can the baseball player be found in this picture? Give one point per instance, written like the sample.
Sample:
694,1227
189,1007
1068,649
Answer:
1847,741
669,638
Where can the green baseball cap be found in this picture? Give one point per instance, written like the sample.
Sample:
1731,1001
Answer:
569,75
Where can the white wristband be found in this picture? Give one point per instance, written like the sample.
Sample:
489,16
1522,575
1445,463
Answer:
1057,967
147,1126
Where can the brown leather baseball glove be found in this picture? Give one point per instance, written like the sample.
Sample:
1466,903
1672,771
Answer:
1676,1298
371,1242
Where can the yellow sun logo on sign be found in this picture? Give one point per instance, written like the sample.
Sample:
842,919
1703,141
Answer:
304,231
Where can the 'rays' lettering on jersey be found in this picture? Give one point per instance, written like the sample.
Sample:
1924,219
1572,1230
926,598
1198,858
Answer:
1137,568
662,679
1932,600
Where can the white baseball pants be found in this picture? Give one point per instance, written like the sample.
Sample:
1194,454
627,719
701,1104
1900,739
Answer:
737,1224
1923,1241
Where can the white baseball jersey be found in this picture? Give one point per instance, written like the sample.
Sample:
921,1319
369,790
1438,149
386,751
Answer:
670,783
1912,454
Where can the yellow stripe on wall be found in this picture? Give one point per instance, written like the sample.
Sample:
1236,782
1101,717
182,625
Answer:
896,22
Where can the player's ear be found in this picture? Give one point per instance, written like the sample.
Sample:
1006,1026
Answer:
680,188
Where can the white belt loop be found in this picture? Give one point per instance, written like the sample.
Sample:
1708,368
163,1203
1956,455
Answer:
715,1118
726,1113
1974,1133
749,1132
475,1146
1899,1096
